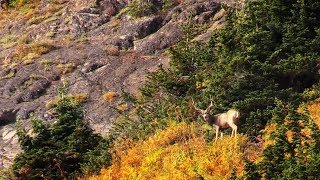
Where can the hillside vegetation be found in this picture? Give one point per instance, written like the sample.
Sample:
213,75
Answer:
100,47
263,61
180,152
288,148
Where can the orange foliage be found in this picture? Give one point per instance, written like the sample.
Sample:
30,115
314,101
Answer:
289,135
314,109
180,152
113,51
268,130
109,96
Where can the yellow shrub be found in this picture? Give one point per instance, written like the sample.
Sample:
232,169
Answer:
290,135
268,130
180,152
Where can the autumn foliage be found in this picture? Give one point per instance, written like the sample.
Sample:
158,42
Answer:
291,144
179,152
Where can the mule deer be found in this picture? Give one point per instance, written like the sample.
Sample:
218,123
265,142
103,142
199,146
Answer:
223,120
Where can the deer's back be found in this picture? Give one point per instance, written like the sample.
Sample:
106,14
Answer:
233,115
221,120
224,120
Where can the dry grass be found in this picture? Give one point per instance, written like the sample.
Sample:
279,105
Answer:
23,10
28,59
8,41
46,63
31,51
37,19
26,50
11,74
41,47
114,23
66,68
25,53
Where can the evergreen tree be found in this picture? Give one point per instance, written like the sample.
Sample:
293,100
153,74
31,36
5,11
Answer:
264,53
251,171
62,150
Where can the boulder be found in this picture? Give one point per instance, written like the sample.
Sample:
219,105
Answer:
142,27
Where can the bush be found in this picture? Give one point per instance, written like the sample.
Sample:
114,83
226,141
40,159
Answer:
178,152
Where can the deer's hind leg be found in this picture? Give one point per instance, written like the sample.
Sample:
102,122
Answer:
234,130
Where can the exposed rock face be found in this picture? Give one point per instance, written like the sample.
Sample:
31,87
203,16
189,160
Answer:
9,145
142,27
95,50
7,116
171,33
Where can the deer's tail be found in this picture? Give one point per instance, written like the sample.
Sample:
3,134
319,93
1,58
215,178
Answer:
236,116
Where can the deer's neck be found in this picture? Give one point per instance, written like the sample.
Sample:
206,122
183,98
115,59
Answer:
216,119
210,119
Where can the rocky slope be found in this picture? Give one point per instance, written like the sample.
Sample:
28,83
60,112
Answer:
92,44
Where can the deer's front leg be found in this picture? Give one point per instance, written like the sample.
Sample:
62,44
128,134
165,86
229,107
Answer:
217,131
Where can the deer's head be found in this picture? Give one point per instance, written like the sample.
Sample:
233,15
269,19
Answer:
204,113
